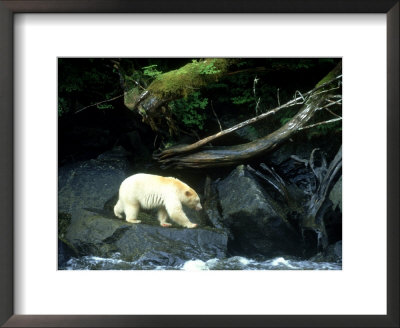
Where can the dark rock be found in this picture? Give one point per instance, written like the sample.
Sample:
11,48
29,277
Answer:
257,222
64,220
194,216
139,150
245,134
301,150
117,157
78,140
333,253
336,194
148,244
288,149
91,183
211,204
65,252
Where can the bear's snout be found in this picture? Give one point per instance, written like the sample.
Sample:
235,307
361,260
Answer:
198,207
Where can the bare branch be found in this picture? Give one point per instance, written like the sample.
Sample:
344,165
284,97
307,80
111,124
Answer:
334,114
215,114
277,95
320,123
101,102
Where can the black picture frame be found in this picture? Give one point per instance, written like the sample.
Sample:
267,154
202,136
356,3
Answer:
11,7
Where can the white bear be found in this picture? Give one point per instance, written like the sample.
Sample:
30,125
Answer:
149,191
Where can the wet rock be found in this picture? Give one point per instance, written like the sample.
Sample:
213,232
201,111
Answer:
211,204
257,222
146,243
65,252
91,183
333,253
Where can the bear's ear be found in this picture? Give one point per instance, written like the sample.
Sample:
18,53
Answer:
188,193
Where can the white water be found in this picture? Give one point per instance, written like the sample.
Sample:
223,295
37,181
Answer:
232,263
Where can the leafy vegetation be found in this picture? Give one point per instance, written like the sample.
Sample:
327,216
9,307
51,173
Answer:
190,110
151,71
239,87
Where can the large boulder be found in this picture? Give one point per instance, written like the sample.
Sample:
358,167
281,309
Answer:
145,243
90,184
257,222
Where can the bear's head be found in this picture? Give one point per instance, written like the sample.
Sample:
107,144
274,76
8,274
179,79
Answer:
192,200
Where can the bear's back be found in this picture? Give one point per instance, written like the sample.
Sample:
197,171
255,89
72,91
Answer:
148,182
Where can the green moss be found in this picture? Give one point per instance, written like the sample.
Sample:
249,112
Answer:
183,81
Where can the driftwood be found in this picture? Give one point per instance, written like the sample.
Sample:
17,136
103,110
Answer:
326,177
173,151
225,156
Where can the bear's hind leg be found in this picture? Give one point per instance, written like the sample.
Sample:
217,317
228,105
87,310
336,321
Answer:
118,209
131,213
162,217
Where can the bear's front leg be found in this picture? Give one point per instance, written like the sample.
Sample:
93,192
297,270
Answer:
162,217
178,215
131,213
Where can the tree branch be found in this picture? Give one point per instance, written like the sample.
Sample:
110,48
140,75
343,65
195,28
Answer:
100,102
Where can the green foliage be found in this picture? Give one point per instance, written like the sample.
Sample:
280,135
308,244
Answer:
105,106
188,110
206,67
85,81
195,82
151,71
284,120
246,97
62,106
324,129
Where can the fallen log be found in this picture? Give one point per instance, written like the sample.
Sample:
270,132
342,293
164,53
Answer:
173,151
231,155
224,156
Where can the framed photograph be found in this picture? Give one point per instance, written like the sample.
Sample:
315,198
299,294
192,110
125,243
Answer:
173,163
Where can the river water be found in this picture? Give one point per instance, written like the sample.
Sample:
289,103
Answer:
231,263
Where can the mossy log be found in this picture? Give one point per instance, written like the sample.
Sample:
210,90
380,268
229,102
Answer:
232,155
151,103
